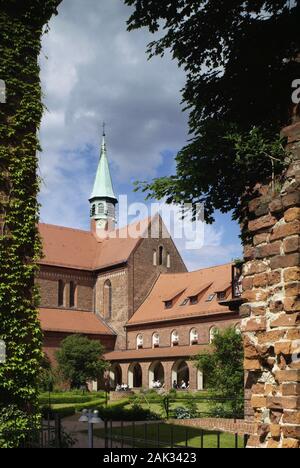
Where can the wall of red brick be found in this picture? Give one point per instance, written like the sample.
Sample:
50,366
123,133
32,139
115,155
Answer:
271,313
203,326
144,273
48,279
119,316
231,426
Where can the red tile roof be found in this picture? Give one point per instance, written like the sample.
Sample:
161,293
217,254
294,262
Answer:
73,248
176,351
72,321
154,310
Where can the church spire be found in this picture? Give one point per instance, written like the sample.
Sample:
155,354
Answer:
103,199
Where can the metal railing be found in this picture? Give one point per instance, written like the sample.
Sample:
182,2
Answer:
137,436
47,435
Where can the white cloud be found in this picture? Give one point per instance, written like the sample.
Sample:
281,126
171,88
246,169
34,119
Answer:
92,70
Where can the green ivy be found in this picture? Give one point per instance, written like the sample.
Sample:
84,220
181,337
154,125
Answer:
21,27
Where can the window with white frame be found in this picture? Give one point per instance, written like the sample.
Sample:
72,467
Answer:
212,333
194,337
139,341
175,338
155,340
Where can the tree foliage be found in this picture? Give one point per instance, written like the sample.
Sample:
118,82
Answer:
239,58
223,369
21,29
80,360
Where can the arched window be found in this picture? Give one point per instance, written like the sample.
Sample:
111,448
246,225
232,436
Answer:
168,260
101,208
154,258
161,255
61,293
72,294
93,210
107,300
155,340
175,338
212,333
139,341
194,337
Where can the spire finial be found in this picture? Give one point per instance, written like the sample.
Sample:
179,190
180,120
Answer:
104,126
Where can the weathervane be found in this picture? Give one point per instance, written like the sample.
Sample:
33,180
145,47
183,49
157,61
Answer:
104,125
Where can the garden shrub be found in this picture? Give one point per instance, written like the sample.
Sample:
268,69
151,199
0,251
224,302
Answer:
182,413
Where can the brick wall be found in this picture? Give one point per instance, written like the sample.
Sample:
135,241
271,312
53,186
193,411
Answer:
202,326
119,316
48,283
231,426
271,315
144,272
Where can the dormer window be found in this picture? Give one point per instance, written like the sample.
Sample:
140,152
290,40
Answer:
221,295
184,303
194,300
168,304
210,298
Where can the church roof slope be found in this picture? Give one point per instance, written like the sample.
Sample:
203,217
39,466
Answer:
68,247
72,321
74,248
212,279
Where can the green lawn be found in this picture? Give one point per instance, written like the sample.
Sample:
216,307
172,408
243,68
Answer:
147,436
156,407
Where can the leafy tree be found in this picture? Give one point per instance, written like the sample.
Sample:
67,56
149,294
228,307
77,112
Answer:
80,360
224,372
47,376
240,59
21,27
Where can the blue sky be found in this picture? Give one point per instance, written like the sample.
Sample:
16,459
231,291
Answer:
94,70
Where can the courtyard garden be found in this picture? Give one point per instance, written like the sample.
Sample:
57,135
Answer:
144,406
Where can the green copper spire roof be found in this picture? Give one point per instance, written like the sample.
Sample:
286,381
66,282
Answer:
103,187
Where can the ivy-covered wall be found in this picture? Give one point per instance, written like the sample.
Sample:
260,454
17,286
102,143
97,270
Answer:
21,27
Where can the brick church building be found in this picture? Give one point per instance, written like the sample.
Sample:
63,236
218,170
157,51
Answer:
132,293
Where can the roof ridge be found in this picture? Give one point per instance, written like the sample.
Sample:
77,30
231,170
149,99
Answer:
197,271
65,228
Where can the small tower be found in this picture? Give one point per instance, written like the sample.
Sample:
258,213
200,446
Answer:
103,200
